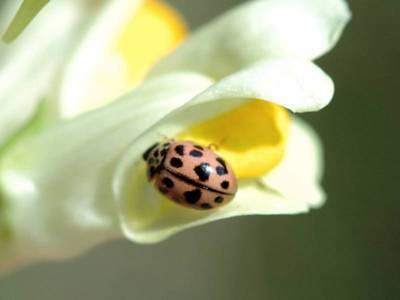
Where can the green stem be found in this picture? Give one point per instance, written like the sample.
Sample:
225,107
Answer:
28,10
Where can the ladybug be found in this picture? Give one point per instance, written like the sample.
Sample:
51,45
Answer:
190,175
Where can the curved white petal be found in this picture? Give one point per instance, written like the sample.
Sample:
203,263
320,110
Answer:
148,217
292,83
258,30
29,64
57,185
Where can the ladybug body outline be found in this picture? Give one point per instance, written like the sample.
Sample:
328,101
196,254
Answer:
190,175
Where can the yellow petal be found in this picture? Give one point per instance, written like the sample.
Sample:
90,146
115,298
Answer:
150,33
251,138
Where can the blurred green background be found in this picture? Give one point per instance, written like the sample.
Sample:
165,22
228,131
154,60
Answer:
349,249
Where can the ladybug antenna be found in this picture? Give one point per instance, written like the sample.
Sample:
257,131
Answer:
164,137
213,147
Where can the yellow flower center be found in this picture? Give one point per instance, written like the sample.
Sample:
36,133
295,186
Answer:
152,31
251,138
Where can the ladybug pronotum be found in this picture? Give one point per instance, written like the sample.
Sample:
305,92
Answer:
190,175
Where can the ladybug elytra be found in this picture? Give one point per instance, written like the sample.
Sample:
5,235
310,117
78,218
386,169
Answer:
189,174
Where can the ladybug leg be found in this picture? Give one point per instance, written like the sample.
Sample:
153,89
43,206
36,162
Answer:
263,185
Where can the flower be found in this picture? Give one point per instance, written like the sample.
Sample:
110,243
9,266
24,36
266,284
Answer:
71,173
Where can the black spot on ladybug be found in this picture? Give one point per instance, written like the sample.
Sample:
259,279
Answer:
203,171
199,147
225,184
180,149
152,171
221,161
148,151
196,153
192,196
167,182
164,152
156,153
206,206
221,170
176,162
218,199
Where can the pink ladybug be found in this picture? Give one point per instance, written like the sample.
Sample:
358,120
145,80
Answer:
190,174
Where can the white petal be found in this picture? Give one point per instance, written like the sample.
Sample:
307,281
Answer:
29,64
258,30
292,188
295,84
57,185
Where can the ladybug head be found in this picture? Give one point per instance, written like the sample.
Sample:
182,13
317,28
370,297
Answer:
146,154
